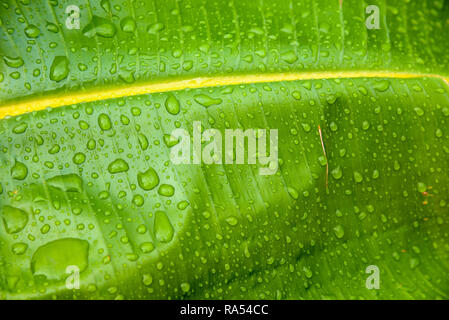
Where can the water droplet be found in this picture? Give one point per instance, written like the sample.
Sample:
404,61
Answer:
14,219
333,126
185,287
172,104
331,99
206,101
358,177
147,280
128,25
422,187
79,158
19,248
13,62
19,171
339,231
296,95
143,141
337,173
147,247
138,200
52,259
45,228
419,111
104,122
32,31
166,190
117,166
105,5
68,182
293,193
155,28
289,57
52,27
59,69
232,221
381,85
307,272
20,128
100,27
148,180
365,125
162,227
170,141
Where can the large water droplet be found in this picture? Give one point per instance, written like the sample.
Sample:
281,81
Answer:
100,27
68,182
59,69
19,171
206,101
155,28
14,219
128,25
289,57
381,85
166,190
162,227
52,259
117,166
13,62
104,122
148,180
20,128
172,104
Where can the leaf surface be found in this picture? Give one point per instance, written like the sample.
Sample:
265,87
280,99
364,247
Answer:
363,150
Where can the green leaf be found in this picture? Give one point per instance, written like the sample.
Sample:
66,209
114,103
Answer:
361,182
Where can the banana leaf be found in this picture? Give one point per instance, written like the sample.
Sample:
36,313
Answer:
92,92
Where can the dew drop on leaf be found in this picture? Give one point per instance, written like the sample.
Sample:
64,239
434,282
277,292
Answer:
68,182
166,190
100,27
14,219
339,231
117,166
206,101
52,259
19,171
172,104
162,227
59,69
148,180
104,122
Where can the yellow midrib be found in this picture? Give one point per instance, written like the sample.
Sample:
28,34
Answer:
54,101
